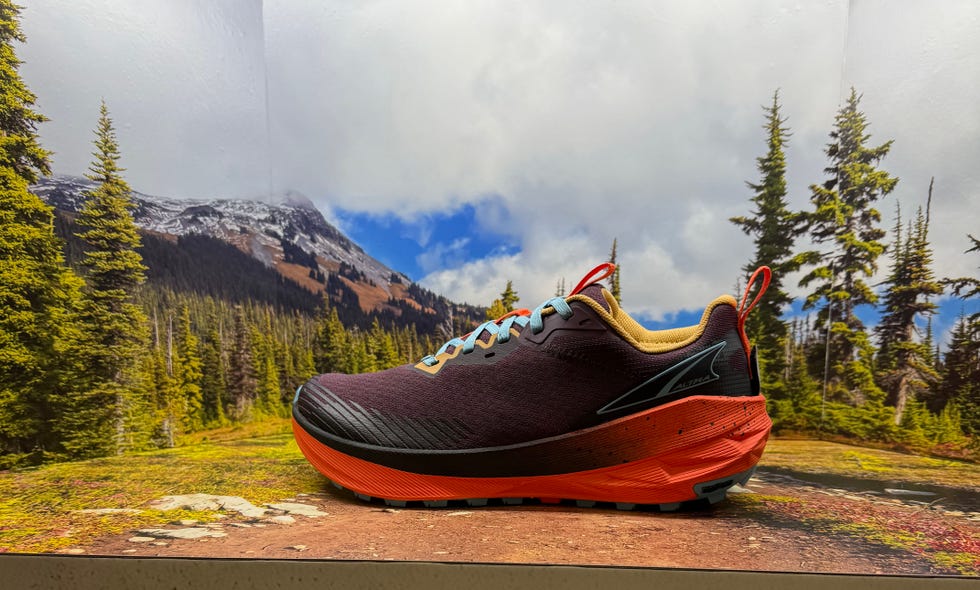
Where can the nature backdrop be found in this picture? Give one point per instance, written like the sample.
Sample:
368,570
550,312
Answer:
483,153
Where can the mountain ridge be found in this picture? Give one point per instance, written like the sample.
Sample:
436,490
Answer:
289,235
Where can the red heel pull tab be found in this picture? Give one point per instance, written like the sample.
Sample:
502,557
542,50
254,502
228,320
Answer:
596,274
744,307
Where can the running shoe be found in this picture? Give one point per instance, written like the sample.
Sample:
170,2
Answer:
574,400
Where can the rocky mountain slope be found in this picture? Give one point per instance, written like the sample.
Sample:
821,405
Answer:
290,236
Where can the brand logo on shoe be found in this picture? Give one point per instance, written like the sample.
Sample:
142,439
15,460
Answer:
690,372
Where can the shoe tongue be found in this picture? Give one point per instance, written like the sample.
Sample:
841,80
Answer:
594,292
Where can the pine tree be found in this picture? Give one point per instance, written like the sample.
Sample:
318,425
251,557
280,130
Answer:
560,288
505,304
241,371
114,324
906,365
332,344
187,371
163,387
214,382
38,293
20,151
382,348
302,353
961,365
844,217
37,297
614,278
360,359
961,376
267,392
775,229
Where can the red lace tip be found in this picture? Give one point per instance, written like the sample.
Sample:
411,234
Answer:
596,274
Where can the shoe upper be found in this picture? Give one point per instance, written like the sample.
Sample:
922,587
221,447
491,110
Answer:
579,370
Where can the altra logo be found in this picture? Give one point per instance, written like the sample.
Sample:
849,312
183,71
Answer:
690,372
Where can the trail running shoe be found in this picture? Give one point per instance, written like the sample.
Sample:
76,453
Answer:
574,400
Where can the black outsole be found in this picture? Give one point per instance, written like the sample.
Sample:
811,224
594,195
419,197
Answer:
710,492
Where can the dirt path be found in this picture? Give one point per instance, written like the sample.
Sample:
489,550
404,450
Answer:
781,526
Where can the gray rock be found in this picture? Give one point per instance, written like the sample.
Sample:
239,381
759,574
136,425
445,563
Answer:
140,539
209,502
298,509
283,519
191,533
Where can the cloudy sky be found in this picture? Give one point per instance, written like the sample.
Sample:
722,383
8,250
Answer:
471,142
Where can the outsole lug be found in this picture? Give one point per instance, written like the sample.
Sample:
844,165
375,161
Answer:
396,503
585,503
625,506
670,507
362,497
716,497
477,502
512,501
435,503
336,485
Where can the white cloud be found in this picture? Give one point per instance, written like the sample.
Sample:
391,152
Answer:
632,121
442,255
566,124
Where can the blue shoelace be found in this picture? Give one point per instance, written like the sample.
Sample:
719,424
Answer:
502,330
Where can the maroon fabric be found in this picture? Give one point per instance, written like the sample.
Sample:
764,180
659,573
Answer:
594,291
548,384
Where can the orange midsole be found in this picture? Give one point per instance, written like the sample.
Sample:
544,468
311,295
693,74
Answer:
707,453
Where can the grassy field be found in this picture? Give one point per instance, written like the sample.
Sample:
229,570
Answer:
816,456
262,463
37,506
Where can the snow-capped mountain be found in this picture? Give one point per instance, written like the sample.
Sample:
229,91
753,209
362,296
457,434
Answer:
291,235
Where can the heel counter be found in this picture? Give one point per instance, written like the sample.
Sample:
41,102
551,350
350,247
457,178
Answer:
754,379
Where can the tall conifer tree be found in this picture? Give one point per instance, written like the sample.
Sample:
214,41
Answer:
845,218
961,374
774,228
333,344
508,298
19,148
214,381
241,371
906,363
116,326
38,293
187,371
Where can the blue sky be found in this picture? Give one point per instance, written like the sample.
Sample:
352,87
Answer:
420,246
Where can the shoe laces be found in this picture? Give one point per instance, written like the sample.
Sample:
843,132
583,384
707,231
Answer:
521,317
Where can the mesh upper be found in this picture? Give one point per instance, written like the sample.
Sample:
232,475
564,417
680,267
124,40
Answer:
542,385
